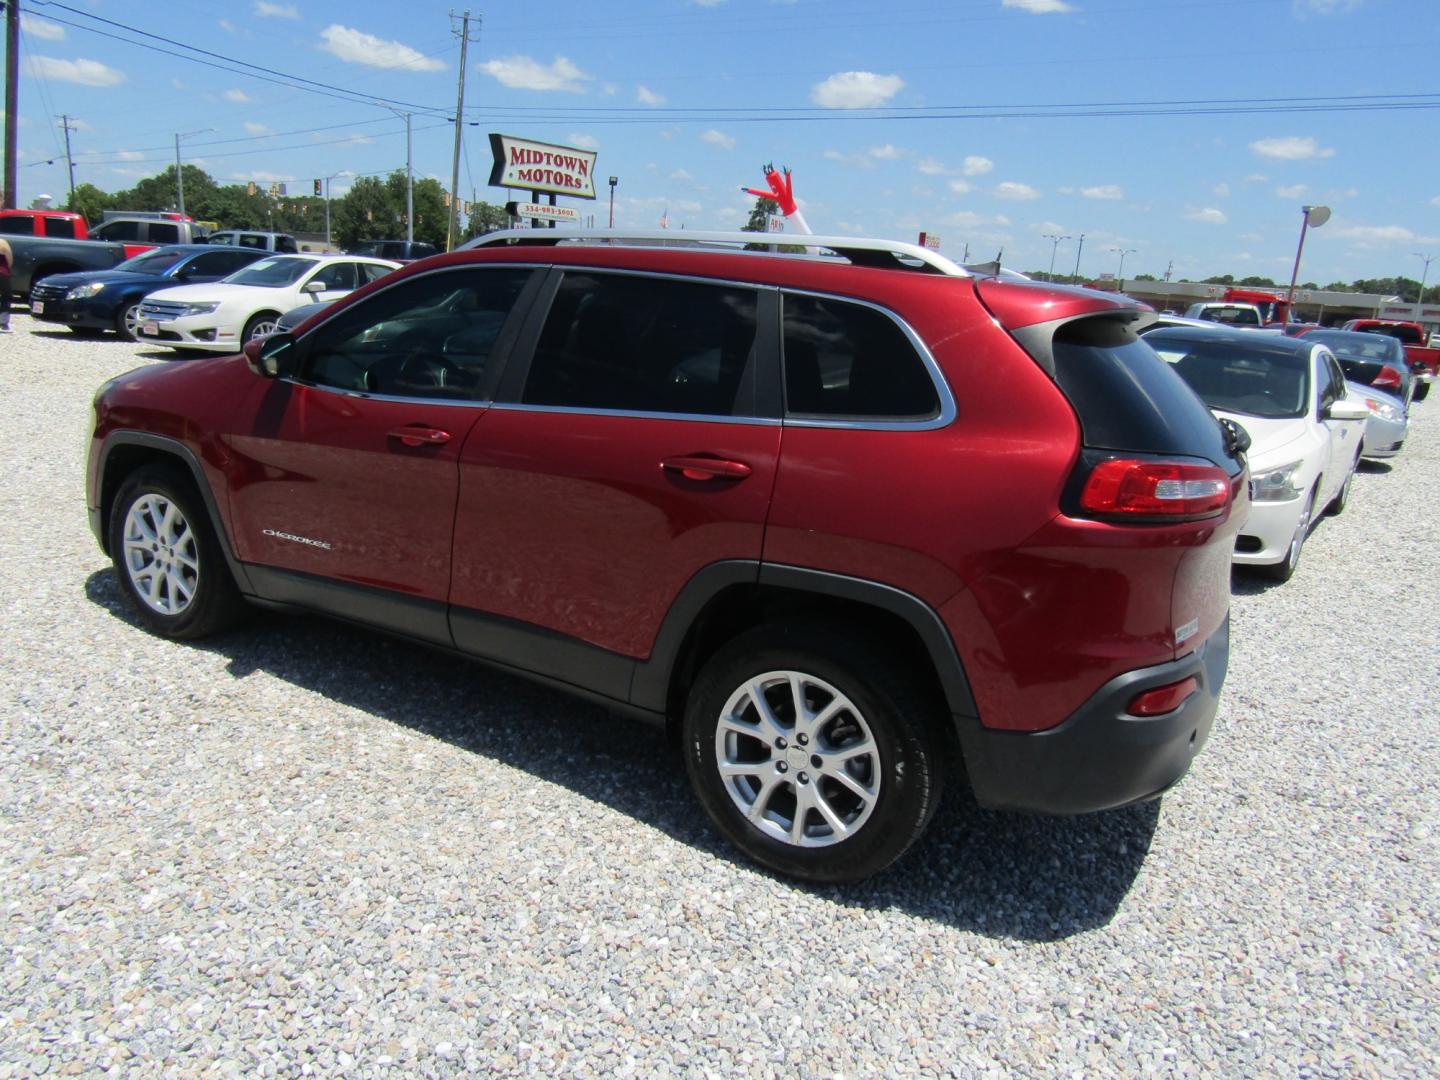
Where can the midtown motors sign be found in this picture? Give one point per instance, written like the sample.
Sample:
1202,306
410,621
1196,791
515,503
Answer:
537,166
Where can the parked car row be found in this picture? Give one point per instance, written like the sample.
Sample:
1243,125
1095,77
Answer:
851,527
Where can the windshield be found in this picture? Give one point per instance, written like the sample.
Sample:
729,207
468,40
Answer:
152,262
272,273
1360,346
1271,385
1231,316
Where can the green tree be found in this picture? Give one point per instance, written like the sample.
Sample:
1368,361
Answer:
366,213
1144,277
762,209
1257,282
90,202
1223,279
486,217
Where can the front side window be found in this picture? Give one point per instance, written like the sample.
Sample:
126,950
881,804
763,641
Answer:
16,226
429,337
847,360
638,344
337,277
162,233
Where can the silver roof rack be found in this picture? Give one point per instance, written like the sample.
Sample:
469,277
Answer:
860,250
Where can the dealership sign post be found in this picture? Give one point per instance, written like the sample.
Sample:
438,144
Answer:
543,169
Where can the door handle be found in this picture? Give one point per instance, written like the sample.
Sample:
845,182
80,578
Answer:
706,468
420,436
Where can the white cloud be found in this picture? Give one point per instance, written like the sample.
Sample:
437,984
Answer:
975,165
856,90
931,167
527,73
263,177
229,27
356,47
252,128
858,161
1374,234
1294,191
1257,178
718,138
128,155
609,89
178,85
39,28
1209,215
1291,148
707,3
268,10
1039,7
646,96
1103,191
681,174
585,142
1221,190
960,187
969,219
1015,191
1324,7
886,152
1435,201
238,97
84,72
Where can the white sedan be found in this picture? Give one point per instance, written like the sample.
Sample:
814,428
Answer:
1306,429
223,315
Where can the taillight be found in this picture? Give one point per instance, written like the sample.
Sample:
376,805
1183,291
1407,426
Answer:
1388,379
1138,490
1162,699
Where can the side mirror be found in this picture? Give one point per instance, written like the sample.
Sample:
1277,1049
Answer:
1346,410
1236,437
272,357
314,288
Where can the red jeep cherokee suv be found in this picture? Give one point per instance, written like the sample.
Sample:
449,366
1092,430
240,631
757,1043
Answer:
851,522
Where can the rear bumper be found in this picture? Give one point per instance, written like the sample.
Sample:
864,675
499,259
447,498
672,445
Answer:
1101,757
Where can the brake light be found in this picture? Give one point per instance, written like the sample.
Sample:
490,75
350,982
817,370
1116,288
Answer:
1388,379
1136,490
1162,699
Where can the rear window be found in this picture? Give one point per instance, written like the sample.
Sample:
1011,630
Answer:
1256,383
1406,334
1127,398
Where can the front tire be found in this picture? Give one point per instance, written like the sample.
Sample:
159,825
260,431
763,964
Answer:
1342,497
260,325
167,557
807,765
1284,570
127,322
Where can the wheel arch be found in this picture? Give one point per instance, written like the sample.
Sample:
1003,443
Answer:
726,599
126,451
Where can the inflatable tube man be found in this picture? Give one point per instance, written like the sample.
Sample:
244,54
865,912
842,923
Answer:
782,190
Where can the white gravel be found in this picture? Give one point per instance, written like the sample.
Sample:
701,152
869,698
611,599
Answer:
304,848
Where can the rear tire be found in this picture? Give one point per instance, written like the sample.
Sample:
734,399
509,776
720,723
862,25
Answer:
167,557
837,773
1422,391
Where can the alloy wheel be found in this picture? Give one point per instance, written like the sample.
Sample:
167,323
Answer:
161,555
798,759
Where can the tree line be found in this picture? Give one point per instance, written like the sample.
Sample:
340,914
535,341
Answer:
373,208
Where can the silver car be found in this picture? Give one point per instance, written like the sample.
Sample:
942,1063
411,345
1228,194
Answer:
1387,424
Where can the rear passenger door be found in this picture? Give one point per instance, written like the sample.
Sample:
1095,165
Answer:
629,448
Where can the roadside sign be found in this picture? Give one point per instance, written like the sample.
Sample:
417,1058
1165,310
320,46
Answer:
544,212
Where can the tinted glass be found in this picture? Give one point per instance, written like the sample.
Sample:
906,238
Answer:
1230,316
1406,334
1359,346
16,226
370,271
336,277
1256,382
118,230
643,345
427,337
844,359
1126,398
152,262
217,264
164,233
273,273
60,228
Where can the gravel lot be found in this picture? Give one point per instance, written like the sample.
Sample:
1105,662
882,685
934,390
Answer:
307,848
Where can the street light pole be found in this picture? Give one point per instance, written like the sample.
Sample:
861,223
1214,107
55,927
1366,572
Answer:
1075,278
1315,216
1121,272
1054,247
1420,300
179,173
613,181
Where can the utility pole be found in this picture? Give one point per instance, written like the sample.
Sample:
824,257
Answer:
1420,300
1078,250
1169,269
459,126
69,160
12,101
1121,274
179,172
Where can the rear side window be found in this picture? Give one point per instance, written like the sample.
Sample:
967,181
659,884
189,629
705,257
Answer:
641,344
60,228
16,226
1127,398
162,233
847,360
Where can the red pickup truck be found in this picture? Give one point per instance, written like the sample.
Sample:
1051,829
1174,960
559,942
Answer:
59,224
1424,361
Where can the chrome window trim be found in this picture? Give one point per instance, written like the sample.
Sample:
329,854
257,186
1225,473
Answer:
463,403
948,409
636,414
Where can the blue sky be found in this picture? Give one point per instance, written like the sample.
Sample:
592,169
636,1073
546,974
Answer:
895,117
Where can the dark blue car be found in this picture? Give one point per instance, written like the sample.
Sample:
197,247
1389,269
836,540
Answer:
91,300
